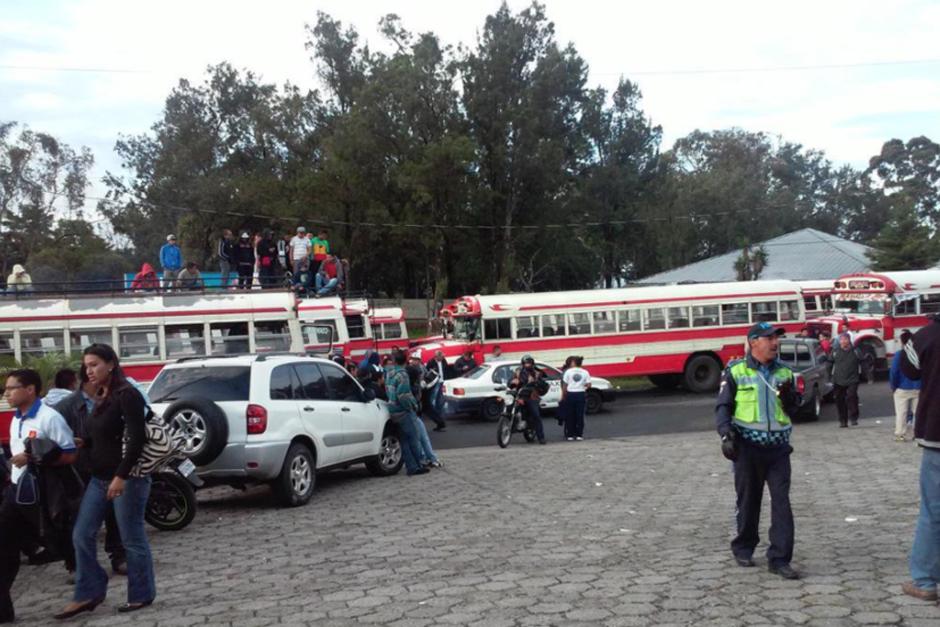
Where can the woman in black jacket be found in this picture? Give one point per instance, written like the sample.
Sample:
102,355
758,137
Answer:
115,436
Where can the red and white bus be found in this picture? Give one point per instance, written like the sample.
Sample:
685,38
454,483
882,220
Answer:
673,334
875,307
357,327
817,297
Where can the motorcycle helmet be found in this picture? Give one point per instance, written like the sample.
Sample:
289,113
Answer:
526,359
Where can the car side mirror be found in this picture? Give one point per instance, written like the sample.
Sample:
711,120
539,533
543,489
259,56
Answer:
368,394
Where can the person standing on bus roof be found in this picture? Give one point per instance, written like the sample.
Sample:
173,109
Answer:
226,253
245,257
756,401
267,259
171,260
19,280
319,249
300,258
844,366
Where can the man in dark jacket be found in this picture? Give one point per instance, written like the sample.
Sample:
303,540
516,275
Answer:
267,259
226,253
921,361
245,257
76,408
844,366
465,363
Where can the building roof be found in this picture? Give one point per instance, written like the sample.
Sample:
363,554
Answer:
802,255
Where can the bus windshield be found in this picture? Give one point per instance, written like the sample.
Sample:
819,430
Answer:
864,306
466,328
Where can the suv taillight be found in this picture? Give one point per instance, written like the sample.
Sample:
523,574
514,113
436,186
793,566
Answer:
800,385
256,418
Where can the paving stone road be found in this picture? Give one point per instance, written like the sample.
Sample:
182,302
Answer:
616,532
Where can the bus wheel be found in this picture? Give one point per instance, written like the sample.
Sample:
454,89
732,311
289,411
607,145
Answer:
665,381
702,374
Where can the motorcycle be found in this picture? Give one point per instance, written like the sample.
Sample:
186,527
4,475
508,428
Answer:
172,502
513,417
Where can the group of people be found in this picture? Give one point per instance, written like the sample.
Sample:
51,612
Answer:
307,260
74,466
756,401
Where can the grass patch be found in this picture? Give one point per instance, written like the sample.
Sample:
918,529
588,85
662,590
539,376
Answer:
630,383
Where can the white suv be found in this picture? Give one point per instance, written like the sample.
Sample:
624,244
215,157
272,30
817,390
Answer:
274,419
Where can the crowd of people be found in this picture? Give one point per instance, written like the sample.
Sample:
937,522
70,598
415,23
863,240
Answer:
74,467
308,263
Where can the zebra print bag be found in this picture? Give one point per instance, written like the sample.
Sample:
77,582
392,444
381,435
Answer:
162,444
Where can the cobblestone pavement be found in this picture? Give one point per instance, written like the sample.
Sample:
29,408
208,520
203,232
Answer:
616,532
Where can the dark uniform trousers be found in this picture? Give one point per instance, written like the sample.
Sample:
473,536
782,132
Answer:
17,532
755,466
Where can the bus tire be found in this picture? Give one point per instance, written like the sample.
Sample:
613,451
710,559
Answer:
665,381
702,374
203,426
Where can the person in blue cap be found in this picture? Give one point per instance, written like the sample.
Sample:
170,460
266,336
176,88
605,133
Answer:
756,401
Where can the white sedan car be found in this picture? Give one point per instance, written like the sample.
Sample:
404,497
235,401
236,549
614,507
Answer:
476,392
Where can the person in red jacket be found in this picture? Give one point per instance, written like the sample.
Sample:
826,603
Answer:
146,280
326,280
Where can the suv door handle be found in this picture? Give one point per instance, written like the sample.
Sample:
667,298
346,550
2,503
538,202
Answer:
308,408
345,409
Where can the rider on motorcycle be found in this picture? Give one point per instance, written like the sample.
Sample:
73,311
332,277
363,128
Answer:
530,381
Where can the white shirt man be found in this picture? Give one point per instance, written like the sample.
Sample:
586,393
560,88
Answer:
300,246
576,380
39,422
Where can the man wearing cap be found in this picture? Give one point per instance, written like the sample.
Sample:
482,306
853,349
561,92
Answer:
171,260
300,257
755,403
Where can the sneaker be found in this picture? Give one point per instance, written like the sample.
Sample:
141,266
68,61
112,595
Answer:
579,438
542,441
910,589
570,439
784,570
899,438
419,471
437,464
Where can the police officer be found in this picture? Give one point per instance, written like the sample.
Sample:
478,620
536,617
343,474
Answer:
755,403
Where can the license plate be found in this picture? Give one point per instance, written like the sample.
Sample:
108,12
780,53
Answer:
186,467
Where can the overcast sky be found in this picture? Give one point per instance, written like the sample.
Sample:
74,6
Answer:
676,51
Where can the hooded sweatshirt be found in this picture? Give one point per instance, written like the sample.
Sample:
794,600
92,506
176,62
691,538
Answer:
146,279
19,280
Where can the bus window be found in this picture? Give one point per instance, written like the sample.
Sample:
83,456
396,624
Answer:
604,322
140,343
229,338
734,313
80,339
906,307
319,334
929,303
466,328
391,331
579,324
705,316
185,341
654,318
809,302
678,317
272,335
355,326
527,326
764,312
553,324
629,320
6,345
498,329
789,310
41,343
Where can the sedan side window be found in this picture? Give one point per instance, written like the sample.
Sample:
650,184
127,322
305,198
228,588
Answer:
502,375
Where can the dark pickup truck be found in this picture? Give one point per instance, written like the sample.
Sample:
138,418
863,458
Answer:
808,361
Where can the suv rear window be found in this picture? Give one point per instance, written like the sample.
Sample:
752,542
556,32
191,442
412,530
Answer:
216,383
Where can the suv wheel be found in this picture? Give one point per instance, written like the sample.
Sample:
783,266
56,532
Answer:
389,460
294,486
202,425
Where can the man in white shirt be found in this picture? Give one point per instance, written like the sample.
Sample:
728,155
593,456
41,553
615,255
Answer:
300,248
33,420
574,386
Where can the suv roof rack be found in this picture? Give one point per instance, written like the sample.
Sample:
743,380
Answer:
264,356
197,357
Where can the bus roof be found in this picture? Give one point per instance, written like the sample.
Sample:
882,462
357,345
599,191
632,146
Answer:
902,281
174,304
493,304
387,314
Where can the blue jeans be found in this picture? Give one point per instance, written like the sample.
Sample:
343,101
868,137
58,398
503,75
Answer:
410,443
427,453
325,287
91,581
925,553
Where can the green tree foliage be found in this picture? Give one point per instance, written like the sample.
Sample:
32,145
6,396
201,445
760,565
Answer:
905,242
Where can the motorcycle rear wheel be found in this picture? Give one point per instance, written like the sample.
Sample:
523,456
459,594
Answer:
504,431
172,502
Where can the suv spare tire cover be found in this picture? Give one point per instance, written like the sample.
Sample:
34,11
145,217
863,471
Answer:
211,422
